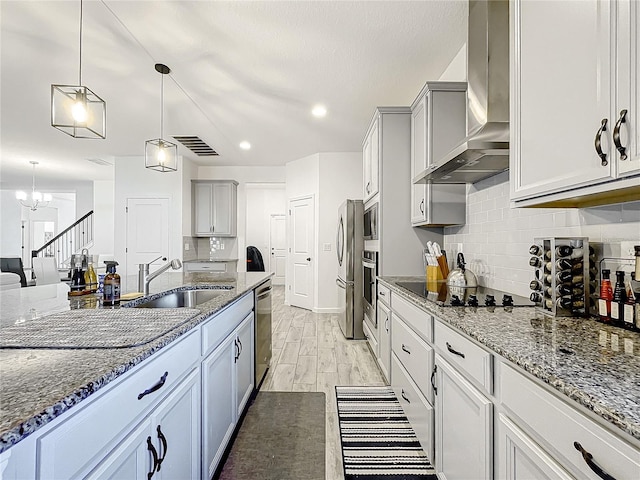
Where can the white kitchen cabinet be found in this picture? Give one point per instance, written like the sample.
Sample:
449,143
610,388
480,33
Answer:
218,404
227,385
438,124
244,363
384,342
371,160
565,86
166,445
214,208
464,427
567,435
521,458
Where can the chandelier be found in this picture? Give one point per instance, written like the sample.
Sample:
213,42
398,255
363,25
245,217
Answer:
75,109
38,199
159,154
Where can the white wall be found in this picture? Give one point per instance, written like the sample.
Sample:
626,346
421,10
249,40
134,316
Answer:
133,180
496,238
340,179
243,175
262,200
331,178
84,201
103,218
456,71
10,224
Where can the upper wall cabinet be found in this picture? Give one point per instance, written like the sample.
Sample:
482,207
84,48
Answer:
438,124
371,160
214,208
575,93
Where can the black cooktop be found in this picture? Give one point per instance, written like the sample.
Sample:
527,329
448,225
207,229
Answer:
447,296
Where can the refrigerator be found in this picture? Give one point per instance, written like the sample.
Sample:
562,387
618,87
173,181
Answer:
349,247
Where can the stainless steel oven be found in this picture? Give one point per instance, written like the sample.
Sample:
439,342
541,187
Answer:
369,272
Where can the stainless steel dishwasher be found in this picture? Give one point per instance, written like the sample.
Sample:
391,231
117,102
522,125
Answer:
263,331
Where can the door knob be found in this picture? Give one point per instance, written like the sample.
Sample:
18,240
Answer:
308,259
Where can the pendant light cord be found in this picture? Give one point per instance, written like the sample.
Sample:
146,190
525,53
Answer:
162,106
80,63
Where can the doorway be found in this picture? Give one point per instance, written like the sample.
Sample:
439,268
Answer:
147,232
278,248
301,287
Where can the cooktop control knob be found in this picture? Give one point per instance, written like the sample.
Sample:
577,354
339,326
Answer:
507,301
490,301
456,302
472,301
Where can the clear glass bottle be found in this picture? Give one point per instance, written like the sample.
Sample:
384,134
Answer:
78,283
606,295
629,315
93,278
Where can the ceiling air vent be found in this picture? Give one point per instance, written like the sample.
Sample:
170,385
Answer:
99,161
196,145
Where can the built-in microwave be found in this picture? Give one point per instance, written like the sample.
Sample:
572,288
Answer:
371,222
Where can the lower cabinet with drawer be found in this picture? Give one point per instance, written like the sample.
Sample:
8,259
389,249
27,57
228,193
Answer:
171,416
559,434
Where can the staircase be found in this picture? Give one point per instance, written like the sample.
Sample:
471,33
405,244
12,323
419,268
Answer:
70,241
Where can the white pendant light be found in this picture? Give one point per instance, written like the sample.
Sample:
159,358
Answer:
159,154
38,199
75,109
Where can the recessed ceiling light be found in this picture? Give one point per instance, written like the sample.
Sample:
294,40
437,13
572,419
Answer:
319,111
245,145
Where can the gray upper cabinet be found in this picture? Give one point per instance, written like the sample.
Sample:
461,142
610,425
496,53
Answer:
214,205
438,124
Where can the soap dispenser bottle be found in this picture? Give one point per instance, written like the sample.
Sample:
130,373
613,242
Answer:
111,293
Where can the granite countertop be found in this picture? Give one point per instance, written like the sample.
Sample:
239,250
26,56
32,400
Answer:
595,365
39,384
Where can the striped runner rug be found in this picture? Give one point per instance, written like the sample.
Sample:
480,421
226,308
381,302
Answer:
378,442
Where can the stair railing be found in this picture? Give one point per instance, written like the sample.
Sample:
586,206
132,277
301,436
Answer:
71,240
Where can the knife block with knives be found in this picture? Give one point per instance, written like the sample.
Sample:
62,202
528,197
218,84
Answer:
436,266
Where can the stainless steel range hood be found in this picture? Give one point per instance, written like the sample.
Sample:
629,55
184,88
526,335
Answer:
485,150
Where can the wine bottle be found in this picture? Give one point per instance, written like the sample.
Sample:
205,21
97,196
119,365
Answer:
535,250
535,285
535,262
563,250
629,315
606,295
619,299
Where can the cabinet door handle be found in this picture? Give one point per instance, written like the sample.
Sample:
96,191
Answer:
598,143
455,352
237,355
433,377
422,206
162,439
368,189
152,449
157,386
616,135
404,396
240,344
386,323
588,458
404,348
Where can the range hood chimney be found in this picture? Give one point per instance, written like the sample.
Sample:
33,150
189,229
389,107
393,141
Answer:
485,150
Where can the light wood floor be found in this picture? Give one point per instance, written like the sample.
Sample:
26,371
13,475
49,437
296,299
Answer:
310,354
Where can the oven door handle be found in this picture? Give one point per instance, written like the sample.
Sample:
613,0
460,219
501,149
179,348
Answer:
368,263
342,283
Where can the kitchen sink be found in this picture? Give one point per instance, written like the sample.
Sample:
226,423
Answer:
183,298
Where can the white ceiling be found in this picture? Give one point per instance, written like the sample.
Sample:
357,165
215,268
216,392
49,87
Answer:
240,71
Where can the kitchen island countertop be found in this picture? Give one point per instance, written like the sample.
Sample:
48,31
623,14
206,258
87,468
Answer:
595,365
37,384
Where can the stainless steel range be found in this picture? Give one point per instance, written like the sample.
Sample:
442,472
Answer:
448,296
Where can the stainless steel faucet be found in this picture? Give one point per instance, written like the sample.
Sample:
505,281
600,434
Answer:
144,278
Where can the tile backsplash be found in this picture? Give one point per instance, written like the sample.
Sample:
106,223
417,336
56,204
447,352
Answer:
496,238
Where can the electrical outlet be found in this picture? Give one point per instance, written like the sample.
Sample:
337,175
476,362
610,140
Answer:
186,247
626,249
326,247
222,246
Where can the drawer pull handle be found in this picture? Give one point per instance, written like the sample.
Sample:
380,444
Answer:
404,396
152,449
588,458
455,352
237,355
157,386
616,135
404,348
598,143
163,439
433,377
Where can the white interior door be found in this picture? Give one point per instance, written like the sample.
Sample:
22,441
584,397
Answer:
278,248
147,232
301,248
